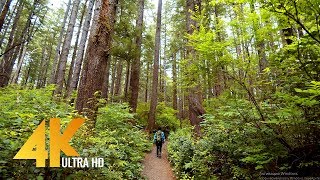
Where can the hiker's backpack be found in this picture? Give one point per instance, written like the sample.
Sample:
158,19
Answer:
158,136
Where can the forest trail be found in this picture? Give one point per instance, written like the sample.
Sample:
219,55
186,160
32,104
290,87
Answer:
157,168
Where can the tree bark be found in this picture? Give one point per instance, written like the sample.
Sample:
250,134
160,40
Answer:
105,88
196,109
9,19
27,76
42,63
162,81
219,83
113,76
117,88
174,79
4,13
96,60
82,45
127,81
20,61
9,47
48,62
154,95
146,94
2,3
57,54
259,44
68,86
66,47
135,68
14,45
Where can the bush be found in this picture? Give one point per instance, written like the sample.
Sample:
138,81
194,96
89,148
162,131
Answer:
21,112
236,143
181,149
115,138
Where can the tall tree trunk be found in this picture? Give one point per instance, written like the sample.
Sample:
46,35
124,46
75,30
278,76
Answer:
57,53
27,74
51,52
96,60
154,95
20,62
10,44
146,94
14,45
105,88
163,65
17,72
44,67
127,81
174,79
68,86
66,47
259,44
42,63
82,45
2,3
117,88
196,109
4,13
135,68
113,77
219,82
9,19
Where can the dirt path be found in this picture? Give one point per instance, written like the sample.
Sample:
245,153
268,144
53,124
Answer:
157,168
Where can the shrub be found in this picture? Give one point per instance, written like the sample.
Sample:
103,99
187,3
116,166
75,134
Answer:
115,138
236,143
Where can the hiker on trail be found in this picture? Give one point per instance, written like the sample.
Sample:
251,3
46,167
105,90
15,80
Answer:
159,139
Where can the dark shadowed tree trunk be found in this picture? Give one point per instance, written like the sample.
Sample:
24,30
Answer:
13,32
13,48
135,68
96,60
8,21
19,65
22,54
154,94
4,13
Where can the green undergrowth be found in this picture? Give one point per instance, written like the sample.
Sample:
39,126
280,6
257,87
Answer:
117,137
236,143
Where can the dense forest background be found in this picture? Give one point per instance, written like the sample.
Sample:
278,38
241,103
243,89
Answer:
235,82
